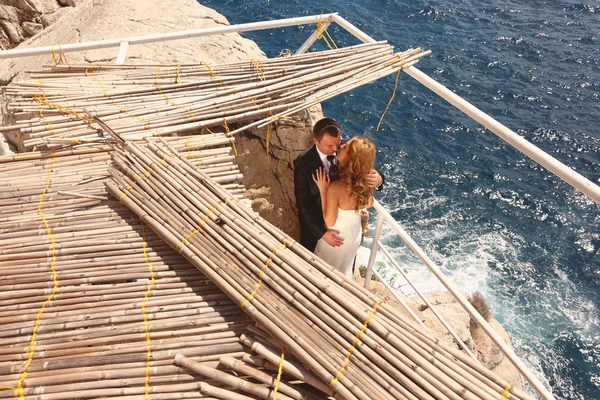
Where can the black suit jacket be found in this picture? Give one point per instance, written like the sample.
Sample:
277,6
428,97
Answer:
308,198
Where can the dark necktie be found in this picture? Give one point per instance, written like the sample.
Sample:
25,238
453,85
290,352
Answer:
334,171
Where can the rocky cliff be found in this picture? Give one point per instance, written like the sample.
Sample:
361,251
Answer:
269,179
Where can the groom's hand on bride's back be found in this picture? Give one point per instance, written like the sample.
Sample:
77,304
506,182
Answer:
331,238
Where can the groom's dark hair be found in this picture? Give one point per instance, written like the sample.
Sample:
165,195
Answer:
326,125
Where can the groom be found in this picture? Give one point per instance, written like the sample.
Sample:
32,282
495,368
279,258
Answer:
327,140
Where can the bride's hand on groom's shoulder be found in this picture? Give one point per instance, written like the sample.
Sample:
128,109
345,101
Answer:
321,179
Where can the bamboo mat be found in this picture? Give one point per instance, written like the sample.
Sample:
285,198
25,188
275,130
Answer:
92,303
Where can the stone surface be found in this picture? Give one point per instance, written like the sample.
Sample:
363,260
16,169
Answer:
270,181
32,28
14,31
14,14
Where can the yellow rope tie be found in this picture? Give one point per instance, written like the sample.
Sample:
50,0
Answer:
253,101
506,391
260,69
39,101
320,32
269,133
178,80
262,272
188,147
173,103
146,327
123,109
62,59
228,134
330,38
31,348
354,342
63,109
210,71
389,102
279,372
75,141
202,221
143,174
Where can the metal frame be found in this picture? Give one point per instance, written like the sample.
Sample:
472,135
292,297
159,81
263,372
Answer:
323,21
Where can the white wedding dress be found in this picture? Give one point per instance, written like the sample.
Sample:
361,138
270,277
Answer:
348,223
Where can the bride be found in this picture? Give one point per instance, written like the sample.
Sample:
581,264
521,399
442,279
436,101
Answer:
343,199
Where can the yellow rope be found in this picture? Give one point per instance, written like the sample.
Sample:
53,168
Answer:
354,342
389,102
320,32
228,133
506,391
178,80
31,348
279,371
210,71
189,112
188,147
143,174
253,101
260,69
269,133
123,109
62,58
202,221
150,284
39,101
262,272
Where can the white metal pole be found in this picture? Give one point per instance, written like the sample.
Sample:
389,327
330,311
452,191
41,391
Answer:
360,35
431,307
315,36
573,178
508,352
399,299
162,37
376,236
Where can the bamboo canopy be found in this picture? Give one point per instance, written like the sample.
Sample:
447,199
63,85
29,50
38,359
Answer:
57,106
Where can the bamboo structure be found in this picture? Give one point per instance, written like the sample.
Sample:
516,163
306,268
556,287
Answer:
355,345
59,106
92,303
131,266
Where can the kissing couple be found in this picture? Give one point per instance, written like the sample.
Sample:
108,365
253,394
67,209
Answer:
333,183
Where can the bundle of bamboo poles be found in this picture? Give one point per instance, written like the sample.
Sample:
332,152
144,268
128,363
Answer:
352,341
56,105
92,302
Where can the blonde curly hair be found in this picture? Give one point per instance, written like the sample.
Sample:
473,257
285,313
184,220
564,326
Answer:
357,163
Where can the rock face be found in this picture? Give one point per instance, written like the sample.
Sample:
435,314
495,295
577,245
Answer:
484,349
21,19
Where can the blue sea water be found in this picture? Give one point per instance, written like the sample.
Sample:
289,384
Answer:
491,218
